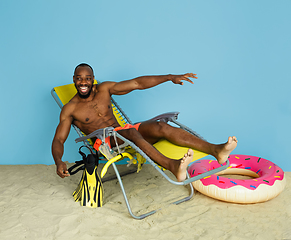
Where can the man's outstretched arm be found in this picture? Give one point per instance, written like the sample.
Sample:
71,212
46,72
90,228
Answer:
145,82
60,137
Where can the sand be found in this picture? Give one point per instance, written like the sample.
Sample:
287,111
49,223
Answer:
37,204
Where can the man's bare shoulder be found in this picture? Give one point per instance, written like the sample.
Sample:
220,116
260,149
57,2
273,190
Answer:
68,108
105,86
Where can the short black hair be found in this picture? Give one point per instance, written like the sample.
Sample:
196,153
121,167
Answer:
84,65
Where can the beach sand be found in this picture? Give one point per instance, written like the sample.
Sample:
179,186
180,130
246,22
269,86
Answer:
37,204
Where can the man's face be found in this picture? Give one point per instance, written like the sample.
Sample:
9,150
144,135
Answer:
83,79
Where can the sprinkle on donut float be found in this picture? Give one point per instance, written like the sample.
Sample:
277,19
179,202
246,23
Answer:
268,181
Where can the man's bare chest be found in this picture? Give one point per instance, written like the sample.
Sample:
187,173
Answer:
92,111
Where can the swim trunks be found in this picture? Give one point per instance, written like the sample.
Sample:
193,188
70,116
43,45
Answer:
128,126
98,141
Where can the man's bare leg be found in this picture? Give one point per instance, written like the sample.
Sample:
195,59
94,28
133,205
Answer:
154,131
177,166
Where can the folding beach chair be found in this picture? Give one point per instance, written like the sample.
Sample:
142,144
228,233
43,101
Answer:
128,149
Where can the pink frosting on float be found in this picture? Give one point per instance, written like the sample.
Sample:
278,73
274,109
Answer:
268,172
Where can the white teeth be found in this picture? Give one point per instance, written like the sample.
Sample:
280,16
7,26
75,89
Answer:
83,88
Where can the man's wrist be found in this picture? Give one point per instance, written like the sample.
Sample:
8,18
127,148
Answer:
57,162
170,77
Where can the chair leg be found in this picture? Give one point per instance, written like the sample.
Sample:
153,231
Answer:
126,199
189,197
142,216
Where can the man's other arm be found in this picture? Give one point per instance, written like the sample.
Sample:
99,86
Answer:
62,132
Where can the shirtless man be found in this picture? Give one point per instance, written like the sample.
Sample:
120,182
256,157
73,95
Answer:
90,109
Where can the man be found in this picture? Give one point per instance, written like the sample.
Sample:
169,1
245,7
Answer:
90,109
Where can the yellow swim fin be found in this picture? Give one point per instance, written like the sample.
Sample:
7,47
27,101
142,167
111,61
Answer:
90,189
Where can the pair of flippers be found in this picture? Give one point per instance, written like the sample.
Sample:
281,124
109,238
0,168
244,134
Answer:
90,189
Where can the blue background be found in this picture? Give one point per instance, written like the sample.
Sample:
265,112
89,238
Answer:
239,49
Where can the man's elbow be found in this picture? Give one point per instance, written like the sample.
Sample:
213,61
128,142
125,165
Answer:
138,84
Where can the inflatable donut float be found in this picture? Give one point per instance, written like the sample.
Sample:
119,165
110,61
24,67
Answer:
268,179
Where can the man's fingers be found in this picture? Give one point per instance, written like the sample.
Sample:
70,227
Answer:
60,174
63,175
66,173
179,78
188,80
191,75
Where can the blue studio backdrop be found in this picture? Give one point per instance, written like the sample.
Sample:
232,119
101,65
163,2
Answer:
239,49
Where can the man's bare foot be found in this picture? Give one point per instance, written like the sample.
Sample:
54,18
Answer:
184,162
227,148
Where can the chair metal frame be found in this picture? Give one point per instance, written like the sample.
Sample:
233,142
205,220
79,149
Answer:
102,133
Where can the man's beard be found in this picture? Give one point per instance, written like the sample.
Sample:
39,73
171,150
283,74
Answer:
85,96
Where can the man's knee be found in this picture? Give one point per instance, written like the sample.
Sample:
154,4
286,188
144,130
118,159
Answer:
161,128
153,130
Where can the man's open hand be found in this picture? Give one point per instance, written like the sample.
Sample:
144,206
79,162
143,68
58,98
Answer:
177,79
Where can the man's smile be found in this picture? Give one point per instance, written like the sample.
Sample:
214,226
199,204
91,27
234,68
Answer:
84,89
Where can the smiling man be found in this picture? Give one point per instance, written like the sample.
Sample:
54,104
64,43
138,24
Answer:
90,109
